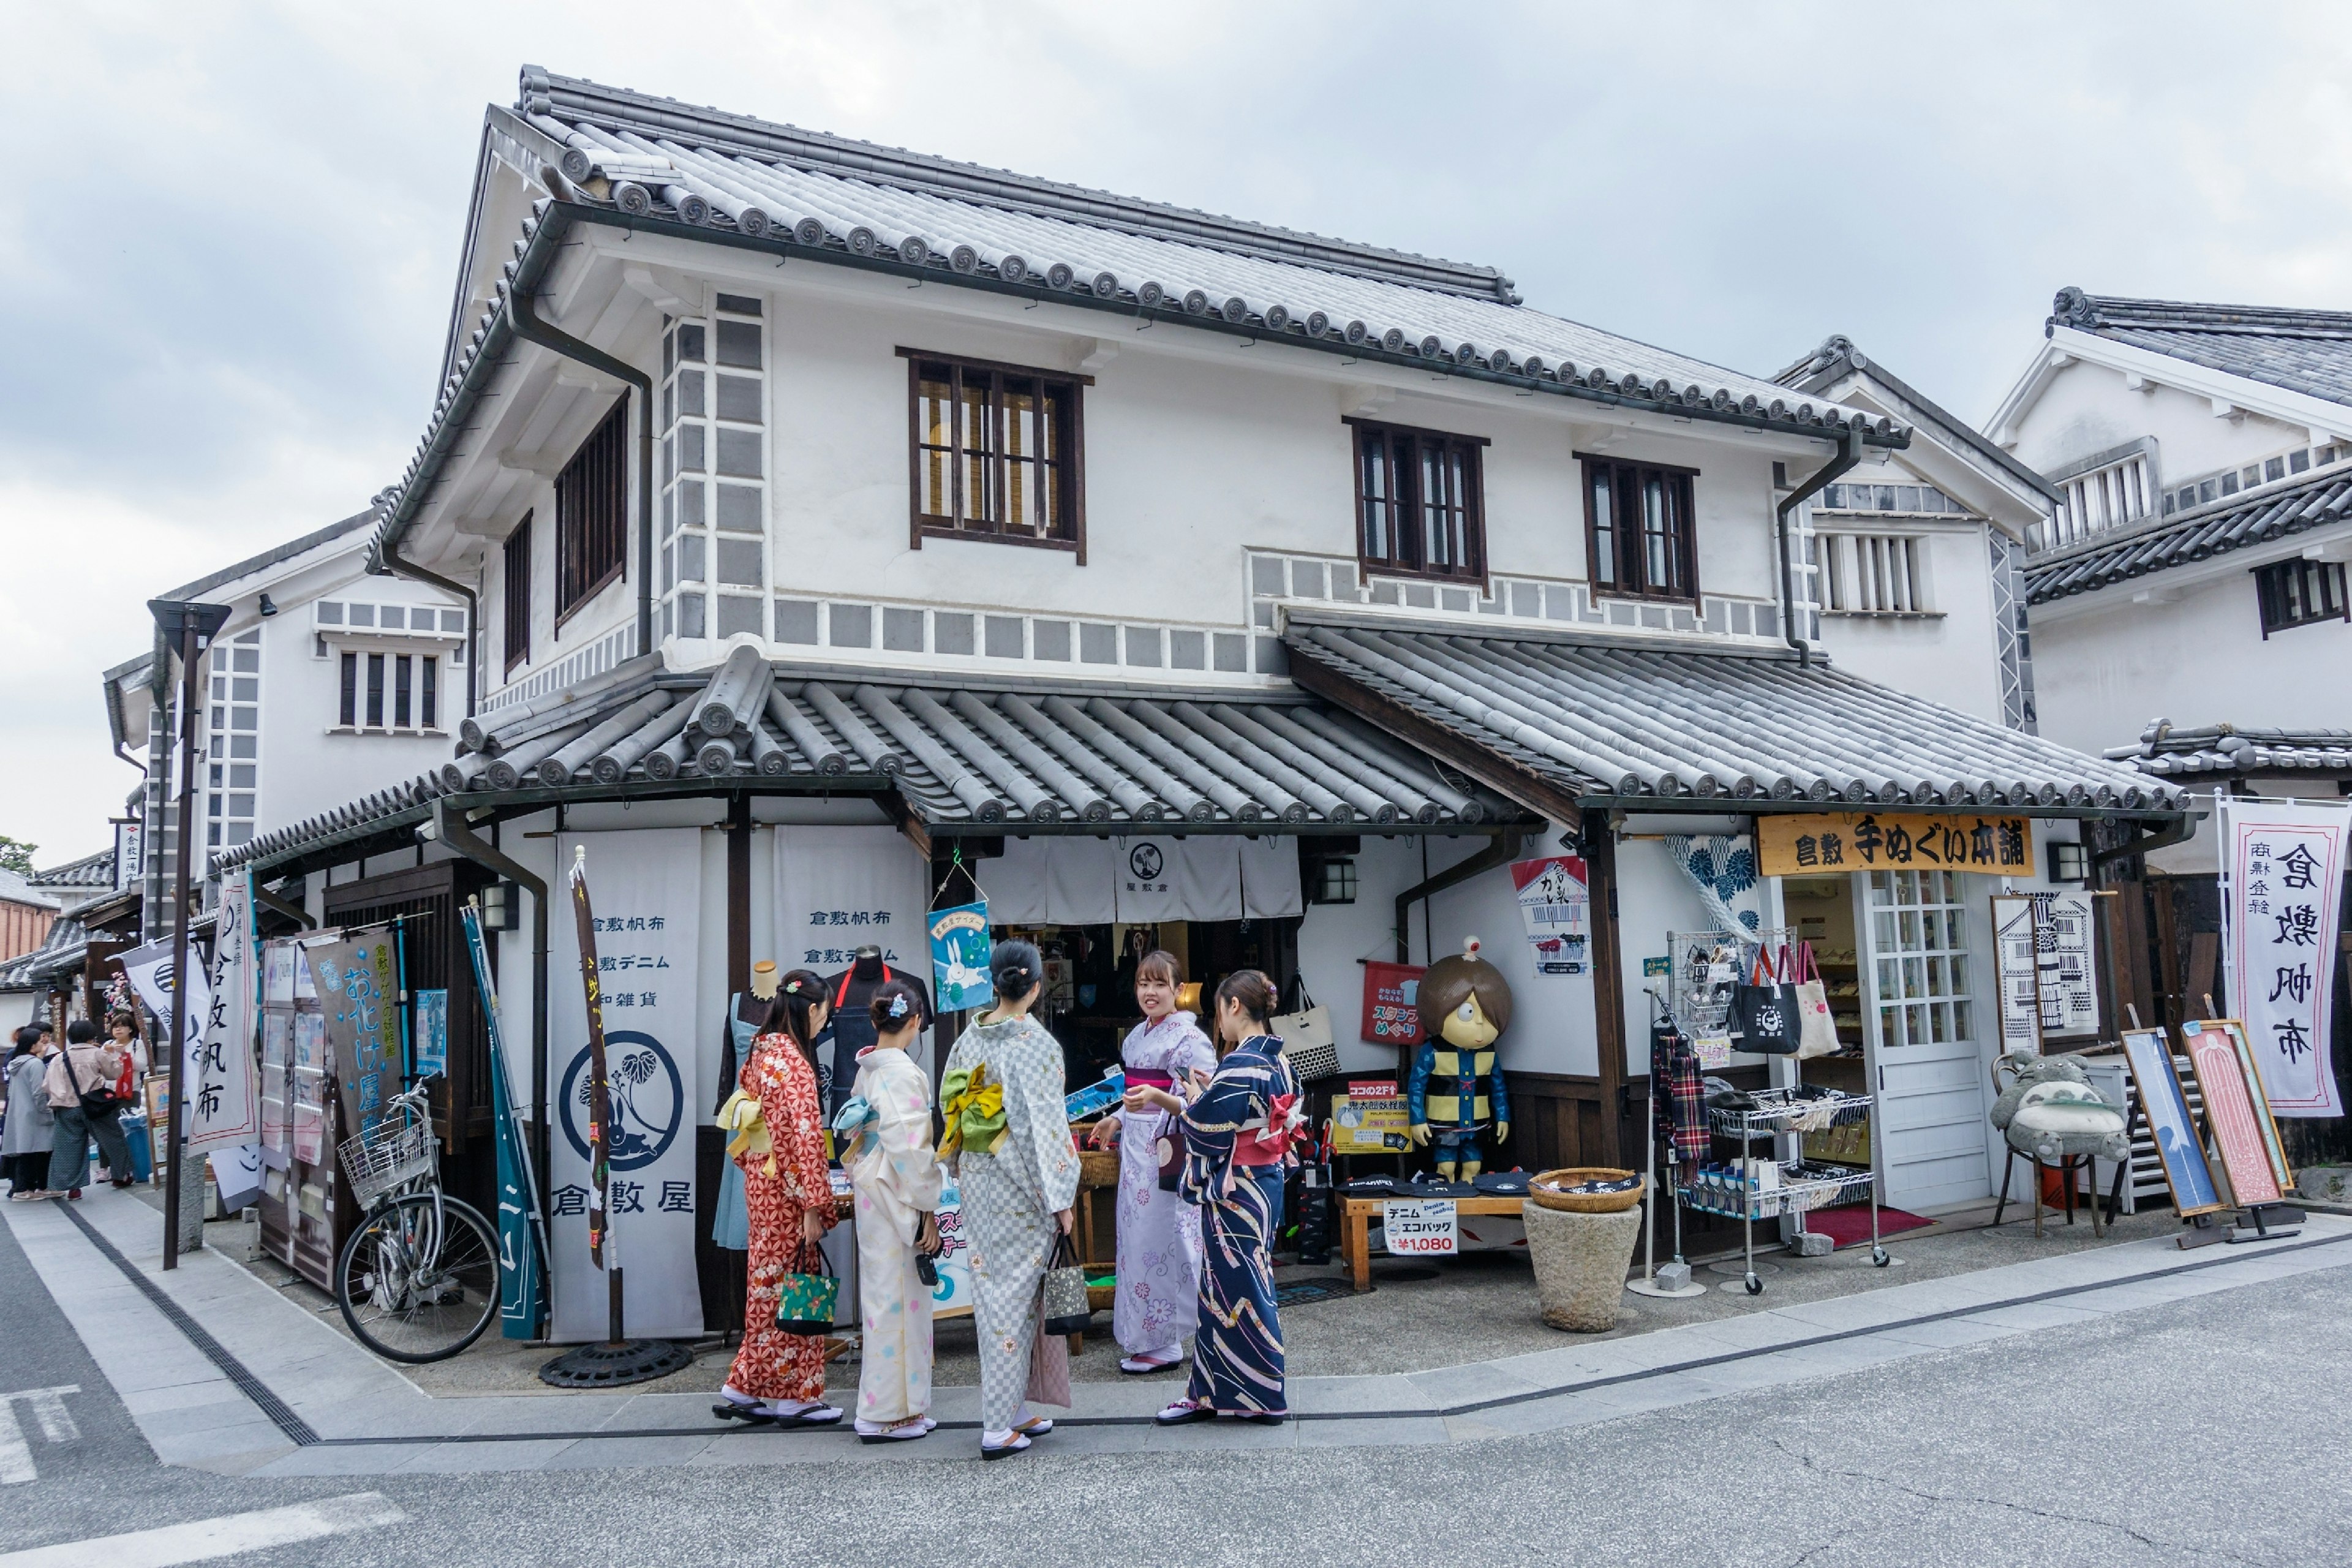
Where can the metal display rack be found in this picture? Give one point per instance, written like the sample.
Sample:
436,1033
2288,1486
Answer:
1802,1186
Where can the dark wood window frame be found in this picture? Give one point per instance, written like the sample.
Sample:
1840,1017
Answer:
1619,561
1394,459
591,514
2301,593
515,592
961,370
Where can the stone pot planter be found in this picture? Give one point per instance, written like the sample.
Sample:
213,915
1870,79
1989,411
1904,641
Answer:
1579,1262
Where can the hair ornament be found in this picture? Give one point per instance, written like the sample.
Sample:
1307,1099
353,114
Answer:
898,1007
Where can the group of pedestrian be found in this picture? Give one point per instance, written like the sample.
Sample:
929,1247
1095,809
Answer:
1205,1133
62,1099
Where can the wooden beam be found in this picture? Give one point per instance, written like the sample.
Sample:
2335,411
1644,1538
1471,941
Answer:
1490,768
907,820
1608,988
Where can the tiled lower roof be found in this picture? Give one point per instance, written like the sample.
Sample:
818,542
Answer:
89,871
2104,560
2231,749
1617,721
959,758
60,951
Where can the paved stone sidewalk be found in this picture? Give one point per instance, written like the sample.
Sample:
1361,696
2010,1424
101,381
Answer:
277,1392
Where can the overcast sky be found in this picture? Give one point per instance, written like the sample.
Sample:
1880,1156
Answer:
228,254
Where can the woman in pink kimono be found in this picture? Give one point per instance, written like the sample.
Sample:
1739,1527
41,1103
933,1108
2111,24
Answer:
1158,1304
886,1149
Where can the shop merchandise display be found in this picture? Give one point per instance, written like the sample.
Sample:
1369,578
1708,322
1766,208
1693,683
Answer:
1455,1092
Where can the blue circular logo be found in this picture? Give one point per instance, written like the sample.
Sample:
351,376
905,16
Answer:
648,1100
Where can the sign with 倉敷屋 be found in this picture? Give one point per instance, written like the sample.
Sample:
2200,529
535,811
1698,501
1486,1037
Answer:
1810,843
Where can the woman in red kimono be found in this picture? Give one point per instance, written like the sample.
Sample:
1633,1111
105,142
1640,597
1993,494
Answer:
778,1376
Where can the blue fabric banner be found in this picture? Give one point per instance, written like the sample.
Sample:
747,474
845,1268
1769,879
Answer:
521,1294
959,948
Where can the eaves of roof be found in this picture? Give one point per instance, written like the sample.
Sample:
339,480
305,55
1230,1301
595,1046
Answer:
1837,357
644,165
2231,751
96,870
266,559
2105,559
2307,352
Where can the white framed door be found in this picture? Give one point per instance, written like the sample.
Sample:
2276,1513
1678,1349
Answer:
1920,1018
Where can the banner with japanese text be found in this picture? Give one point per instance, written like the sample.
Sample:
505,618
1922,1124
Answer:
153,976
358,977
224,1102
2283,882
647,887
1391,1004
1806,844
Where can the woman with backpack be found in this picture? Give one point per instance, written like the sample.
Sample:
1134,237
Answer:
80,1083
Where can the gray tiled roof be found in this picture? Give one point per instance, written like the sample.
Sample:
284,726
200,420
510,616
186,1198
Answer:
959,758
2107,559
1602,720
1837,358
60,951
2225,750
89,871
2308,351
658,162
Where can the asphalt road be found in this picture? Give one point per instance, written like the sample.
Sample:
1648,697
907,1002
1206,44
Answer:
2208,1430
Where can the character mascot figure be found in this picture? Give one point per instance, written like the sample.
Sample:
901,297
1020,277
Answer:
1455,1092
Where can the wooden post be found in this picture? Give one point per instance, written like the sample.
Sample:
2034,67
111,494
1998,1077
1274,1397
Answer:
1607,983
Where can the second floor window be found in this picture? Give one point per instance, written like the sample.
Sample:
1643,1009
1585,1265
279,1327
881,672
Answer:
591,513
1637,530
996,454
2301,594
1421,503
390,691
515,562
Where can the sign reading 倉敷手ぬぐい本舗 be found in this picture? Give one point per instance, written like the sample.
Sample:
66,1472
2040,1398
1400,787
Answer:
1807,843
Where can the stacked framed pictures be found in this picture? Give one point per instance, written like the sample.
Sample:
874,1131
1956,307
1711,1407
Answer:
2171,1125
2253,1168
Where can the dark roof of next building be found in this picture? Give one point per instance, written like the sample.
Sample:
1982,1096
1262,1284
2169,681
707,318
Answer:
1830,364
1583,721
90,871
2222,751
2106,559
961,759
2308,351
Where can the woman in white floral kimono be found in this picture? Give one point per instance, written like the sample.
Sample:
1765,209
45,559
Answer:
1008,1141
887,1129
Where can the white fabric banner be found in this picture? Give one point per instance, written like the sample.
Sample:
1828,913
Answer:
1081,882
1196,878
224,1104
839,888
2283,882
152,977
644,889
1015,881
1270,889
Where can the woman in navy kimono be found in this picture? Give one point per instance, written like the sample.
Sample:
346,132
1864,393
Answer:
1237,1133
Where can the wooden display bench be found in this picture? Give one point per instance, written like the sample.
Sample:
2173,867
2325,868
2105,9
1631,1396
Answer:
1354,1238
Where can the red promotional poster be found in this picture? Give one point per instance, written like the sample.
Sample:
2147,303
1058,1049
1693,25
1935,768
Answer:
1391,1004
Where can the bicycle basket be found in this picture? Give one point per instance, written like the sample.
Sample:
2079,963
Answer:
386,1155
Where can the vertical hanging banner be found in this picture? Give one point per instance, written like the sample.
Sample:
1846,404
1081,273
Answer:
153,978
2062,957
358,991
522,1242
841,888
2282,883
959,948
647,933
2017,973
1556,910
1391,1004
223,1107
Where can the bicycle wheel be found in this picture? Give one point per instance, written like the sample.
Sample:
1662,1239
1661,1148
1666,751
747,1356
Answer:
418,1280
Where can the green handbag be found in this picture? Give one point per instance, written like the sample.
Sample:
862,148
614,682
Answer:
805,1300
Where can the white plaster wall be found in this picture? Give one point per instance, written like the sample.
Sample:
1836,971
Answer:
2086,410
304,769
1953,658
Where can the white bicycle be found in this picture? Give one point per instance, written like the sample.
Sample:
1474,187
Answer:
418,1280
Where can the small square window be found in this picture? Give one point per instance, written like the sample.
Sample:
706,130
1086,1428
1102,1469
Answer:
363,615
1050,640
691,445
1097,644
852,626
247,689
1004,636
246,660
2273,468
950,633
331,614
738,398
393,618
689,504
1233,653
240,776
243,746
741,562
240,806
738,453
902,630
453,620
689,394
689,616
739,304
1188,650
2228,484
1143,646
689,343
739,344
1335,881
2298,462
689,557
1266,575
739,508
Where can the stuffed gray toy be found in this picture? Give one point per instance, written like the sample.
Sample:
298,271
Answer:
2050,1111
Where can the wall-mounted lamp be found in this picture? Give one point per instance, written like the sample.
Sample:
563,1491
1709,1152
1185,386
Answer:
2069,862
268,608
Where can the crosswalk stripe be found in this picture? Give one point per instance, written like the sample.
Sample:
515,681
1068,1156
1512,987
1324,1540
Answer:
206,1539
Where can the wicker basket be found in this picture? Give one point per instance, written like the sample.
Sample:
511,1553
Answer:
1543,1190
1102,1297
1099,1167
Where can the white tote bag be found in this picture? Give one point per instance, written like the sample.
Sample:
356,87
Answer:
1820,1035
1312,1049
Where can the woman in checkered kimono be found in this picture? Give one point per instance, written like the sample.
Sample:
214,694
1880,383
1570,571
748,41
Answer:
1008,1141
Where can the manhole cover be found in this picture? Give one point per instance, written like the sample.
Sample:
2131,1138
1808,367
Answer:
1403,1275
1308,1290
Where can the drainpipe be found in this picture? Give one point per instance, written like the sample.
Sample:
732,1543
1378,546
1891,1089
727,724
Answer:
531,330
450,827
1502,851
2180,832
398,565
1849,453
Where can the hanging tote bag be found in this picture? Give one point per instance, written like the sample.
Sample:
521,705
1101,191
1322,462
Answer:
807,1299
1764,1015
1819,1029
1308,1042
1062,1300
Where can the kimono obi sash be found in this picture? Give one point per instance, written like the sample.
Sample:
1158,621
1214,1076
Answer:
855,1125
973,1111
746,1126
1267,1143
1148,1077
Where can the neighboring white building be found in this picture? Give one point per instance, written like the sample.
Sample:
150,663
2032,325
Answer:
815,488
322,680
2193,579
